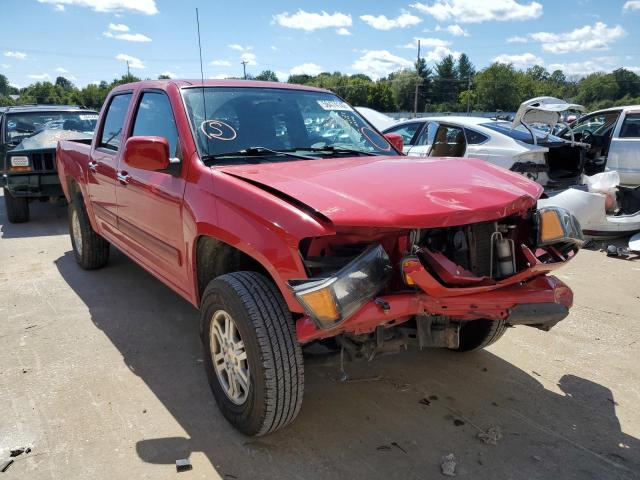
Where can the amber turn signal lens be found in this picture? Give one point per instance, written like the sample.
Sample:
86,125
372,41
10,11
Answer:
19,169
550,226
322,304
410,262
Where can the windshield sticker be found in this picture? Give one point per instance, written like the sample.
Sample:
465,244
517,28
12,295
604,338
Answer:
375,138
92,116
217,130
334,105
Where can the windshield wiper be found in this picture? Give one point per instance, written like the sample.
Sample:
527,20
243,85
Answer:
333,149
258,152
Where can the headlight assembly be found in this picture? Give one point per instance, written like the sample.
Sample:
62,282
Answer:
557,225
19,163
330,301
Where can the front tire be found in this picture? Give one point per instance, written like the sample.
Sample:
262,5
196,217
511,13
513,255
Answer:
17,207
478,334
249,340
91,251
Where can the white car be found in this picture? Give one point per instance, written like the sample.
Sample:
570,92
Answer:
553,162
614,138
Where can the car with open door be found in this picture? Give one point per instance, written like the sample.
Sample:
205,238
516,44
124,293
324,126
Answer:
554,162
612,137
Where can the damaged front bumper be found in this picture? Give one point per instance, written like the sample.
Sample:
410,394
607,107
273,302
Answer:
528,297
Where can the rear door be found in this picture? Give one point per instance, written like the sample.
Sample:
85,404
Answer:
624,151
150,202
424,139
104,160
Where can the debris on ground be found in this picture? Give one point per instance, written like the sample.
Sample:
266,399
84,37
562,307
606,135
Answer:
19,451
183,465
448,465
395,444
491,436
5,465
425,401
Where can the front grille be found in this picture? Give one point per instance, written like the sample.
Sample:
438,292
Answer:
45,161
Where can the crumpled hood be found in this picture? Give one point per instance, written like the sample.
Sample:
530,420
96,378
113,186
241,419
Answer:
400,192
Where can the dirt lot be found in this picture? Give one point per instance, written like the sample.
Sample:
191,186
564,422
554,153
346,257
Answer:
101,374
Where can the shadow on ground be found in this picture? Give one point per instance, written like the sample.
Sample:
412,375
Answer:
46,219
424,405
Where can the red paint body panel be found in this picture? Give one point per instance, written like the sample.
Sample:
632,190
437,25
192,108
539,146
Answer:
267,210
405,192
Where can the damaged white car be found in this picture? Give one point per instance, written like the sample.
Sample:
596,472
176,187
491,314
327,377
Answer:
554,162
604,208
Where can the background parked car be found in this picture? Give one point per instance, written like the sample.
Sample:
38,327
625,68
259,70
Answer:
614,136
552,161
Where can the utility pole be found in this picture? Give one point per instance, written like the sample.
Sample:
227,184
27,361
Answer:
468,92
244,68
128,73
415,95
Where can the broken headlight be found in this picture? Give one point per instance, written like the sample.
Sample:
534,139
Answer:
330,301
557,225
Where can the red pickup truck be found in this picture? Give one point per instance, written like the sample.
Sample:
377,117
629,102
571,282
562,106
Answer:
287,219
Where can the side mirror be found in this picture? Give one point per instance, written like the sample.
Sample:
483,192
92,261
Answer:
396,140
147,153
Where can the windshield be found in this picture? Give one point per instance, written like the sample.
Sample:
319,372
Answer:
520,132
23,125
239,118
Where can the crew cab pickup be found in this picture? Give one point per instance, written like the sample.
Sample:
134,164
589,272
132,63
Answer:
288,219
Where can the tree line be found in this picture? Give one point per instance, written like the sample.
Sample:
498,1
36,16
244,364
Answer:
451,85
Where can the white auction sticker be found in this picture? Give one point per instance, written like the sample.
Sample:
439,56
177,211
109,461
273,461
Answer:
88,117
334,105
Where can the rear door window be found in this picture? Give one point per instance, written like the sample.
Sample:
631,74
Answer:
114,122
631,126
475,138
155,118
449,142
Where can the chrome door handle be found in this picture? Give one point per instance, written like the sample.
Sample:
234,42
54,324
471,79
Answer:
93,166
124,177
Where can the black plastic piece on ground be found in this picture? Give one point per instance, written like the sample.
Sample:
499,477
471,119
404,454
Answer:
183,465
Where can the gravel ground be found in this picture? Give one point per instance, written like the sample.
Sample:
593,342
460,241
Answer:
101,375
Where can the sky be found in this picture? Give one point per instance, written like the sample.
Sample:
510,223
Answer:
91,40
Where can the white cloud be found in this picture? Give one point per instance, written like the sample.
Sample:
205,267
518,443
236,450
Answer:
221,63
631,5
133,61
381,22
120,32
62,70
519,60
590,37
118,27
220,76
474,11
282,76
40,76
379,63
426,42
306,69
250,58
147,7
635,70
169,74
580,69
457,31
309,21
238,47
60,7
438,53
342,31
274,48
517,39
6,66
16,55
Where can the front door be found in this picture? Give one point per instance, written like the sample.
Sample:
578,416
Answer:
624,151
150,202
104,160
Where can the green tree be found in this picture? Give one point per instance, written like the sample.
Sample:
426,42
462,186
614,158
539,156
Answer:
403,86
4,85
496,87
380,97
64,84
162,76
597,87
267,75
628,82
445,83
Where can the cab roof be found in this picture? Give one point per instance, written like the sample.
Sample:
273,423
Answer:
44,108
163,84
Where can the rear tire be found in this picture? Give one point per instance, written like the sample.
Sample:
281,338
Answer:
90,249
271,357
478,334
17,208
